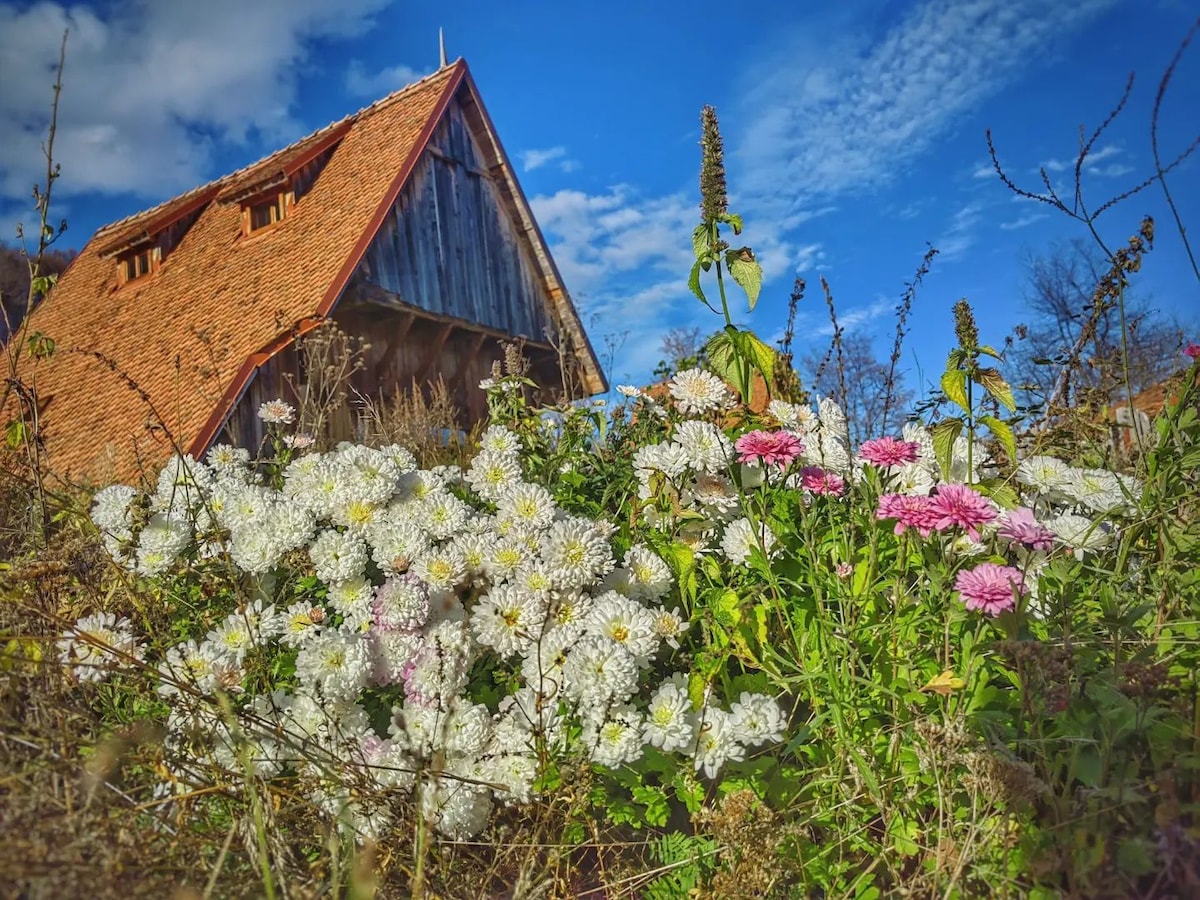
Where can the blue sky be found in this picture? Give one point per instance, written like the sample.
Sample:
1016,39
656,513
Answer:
854,135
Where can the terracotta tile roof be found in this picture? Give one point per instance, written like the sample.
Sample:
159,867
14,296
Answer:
188,335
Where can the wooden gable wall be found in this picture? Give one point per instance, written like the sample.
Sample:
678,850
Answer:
449,246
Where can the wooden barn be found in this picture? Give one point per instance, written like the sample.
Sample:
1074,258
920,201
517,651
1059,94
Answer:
402,223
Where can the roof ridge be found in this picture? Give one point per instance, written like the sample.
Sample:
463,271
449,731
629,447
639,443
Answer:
366,111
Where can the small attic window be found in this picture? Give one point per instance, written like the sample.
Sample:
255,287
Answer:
264,212
138,264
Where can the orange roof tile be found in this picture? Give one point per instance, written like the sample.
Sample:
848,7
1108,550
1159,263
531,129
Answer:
191,335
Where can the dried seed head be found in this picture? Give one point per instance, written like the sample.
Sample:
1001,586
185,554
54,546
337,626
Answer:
714,197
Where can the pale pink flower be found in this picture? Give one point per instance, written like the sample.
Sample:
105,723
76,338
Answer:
822,481
990,588
1020,527
910,511
1192,351
957,504
276,412
771,448
844,570
887,451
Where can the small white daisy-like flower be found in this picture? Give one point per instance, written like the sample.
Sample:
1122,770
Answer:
187,664
527,506
1079,533
599,670
491,473
669,626
336,664
1044,474
616,740
576,552
697,392
508,618
228,462
670,459
443,515
401,603
467,728
498,439
338,556
739,540
757,719
97,644
569,612
276,412
670,722
626,622
717,743
301,623
442,568
649,577
791,416
913,478
1098,489
160,543
629,390
232,639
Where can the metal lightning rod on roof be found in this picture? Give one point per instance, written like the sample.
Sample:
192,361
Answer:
442,49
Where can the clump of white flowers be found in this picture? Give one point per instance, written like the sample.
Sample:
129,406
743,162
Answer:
422,573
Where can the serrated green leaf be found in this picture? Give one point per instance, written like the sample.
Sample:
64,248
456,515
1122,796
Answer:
14,434
944,434
734,221
754,351
954,384
700,239
727,610
988,350
746,271
694,283
696,690
993,382
1003,433
999,490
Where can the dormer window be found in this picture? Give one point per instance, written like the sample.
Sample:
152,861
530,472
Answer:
139,263
264,212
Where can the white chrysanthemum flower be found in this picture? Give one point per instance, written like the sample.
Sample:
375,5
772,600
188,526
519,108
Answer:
336,664
189,665
913,478
1097,489
337,556
441,670
356,515
458,809
468,728
507,619
401,603
599,671
182,485
229,463
1044,474
351,597
616,740
396,540
739,540
475,548
276,412
671,724
491,473
669,459
625,622
828,449
717,743
442,568
707,449
160,543
534,578
576,552
232,639
513,775
629,390
368,474
301,623
669,626
1079,533
112,514
401,456
498,439
697,392
793,417
650,577
757,719
530,507
569,612
443,515
543,658
97,644
833,419
916,433
387,764
715,495
359,816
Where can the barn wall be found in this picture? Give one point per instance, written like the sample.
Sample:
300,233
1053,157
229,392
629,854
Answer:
449,247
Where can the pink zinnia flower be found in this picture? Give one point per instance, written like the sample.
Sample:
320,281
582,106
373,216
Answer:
822,481
990,588
771,448
1192,351
1020,527
957,504
887,451
909,511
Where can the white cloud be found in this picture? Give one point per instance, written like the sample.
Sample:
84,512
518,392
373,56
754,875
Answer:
1091,163
1022,221
823,120
853,319
535,159
374,85
150,89
959,235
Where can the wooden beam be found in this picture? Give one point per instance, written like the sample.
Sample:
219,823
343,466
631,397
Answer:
397,338
435,349
461,375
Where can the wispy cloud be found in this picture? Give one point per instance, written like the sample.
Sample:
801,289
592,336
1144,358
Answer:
1091,163
535,159
222,72
1022,221
960,234
853,319
362,83
814,128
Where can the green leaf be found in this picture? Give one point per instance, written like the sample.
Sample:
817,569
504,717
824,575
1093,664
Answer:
988,350
14,434
40,346
700,242
655,801
993,382
954,383
694,283
734,221
746,271
944,434
727,610
1004,434
1000,491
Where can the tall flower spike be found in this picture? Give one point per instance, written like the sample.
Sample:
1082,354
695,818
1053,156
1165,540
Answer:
965,328
714,196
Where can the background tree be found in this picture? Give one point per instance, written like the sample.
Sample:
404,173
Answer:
14,282
1060,291
865,378
681,348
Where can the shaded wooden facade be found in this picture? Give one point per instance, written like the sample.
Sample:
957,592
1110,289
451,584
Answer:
450,277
